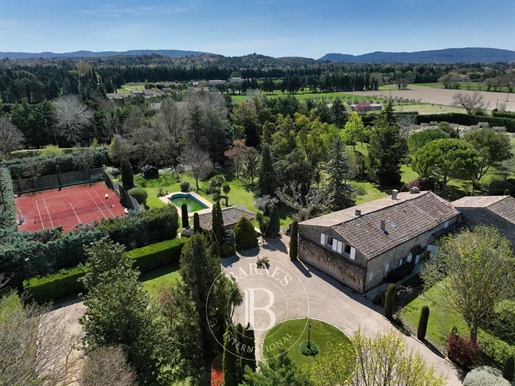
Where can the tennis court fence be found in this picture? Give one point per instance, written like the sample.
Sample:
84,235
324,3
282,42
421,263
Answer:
52,181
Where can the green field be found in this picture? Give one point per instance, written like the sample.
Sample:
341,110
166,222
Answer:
293,333
153,280
441,321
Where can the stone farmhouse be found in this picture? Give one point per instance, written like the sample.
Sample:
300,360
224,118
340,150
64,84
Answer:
359,246
498,211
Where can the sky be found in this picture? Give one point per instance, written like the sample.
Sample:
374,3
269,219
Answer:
271,27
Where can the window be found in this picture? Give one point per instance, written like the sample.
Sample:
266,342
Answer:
347,249
370,276
400,262
386,268
329,241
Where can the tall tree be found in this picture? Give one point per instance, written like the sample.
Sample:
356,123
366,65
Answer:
72,119
446,159
386,151
379,360
118,313
107,366
127,175
231,359
267,175
217,222
10,137
339,172
494,147
472,273
420,139
198,161
471,101
354,130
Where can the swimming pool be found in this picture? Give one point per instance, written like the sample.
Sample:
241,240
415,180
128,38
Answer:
193,204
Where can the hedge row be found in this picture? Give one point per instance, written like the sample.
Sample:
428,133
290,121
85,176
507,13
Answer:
8,213
47,288
468,120
157,255
65,282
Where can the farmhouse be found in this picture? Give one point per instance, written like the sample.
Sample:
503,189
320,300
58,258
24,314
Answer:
231,215
359,246
498,211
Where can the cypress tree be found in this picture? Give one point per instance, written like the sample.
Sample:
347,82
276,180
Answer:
217,223
294,240
127,176
274,228
249,354
196,222
508,370
240,337
339,172
267,175
184,216
390,300
230,359
422,323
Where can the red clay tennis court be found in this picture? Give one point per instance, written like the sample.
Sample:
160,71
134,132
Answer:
80,204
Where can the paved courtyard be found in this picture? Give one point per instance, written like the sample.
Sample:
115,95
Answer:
327,300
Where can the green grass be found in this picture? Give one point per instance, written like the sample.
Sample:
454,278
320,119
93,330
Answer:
408,174
367,192
153,280
297,331
428,108
442,319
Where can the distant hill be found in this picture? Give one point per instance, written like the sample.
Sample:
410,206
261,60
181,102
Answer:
448,55
91,54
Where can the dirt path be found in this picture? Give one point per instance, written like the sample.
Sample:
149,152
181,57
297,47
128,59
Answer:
442,96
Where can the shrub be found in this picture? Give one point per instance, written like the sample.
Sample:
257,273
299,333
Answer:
161,223
422,323
54,286
185,186
391,293
422,184
463,351
196,223
309,349
499,187
399,272
184,216
245,234
294,239
228,247
140,194
51,151
263,262
485,376
508,369
157,255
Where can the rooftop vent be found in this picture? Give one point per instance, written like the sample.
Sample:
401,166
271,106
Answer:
394,194
358,212
414,190
383,226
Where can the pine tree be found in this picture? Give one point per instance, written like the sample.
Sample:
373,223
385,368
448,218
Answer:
127,176
267,175
230,357
294,240
339,171
217,223
184,216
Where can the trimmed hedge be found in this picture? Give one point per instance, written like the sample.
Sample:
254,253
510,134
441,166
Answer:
8,214
65,282
468,120
54,286
156,255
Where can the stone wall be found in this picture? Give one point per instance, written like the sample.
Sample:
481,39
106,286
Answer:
482,216
334,264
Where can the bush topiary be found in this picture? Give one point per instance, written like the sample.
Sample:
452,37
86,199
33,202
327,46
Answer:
196,222
422,323
184,216
185,186
140,194
391,292
485,376
245,234
309,349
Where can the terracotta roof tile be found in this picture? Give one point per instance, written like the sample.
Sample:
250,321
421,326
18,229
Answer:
231,216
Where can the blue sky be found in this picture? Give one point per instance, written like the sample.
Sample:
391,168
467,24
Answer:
238,27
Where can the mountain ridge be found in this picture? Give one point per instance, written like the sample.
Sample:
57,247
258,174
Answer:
97,54
447,55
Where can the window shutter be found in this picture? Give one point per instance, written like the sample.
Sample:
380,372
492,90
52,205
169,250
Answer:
335,245
339,246
322,239
352,253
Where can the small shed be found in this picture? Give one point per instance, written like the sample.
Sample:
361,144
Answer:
150,171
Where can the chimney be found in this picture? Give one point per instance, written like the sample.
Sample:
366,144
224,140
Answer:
394,194
383,226
358,212
414,190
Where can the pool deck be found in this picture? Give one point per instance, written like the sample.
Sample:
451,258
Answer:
166,200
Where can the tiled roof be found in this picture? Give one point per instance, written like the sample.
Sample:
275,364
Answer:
503,206
405,218
231,216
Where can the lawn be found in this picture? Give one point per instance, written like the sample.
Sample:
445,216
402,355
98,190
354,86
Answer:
297,331
153,280
442,319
